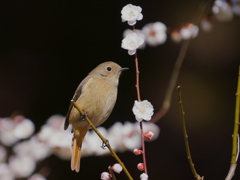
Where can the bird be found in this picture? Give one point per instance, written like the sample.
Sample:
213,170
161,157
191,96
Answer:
96,95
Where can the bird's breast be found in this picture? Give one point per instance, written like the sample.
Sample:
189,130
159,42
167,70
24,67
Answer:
97,100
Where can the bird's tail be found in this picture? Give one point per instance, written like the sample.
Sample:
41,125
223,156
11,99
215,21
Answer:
78,136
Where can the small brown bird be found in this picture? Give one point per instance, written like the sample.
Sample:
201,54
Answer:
96,96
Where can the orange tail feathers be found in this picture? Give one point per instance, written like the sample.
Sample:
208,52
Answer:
76,155
78,137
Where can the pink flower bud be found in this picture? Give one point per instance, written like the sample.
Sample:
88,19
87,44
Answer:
143,176
206,25
105,176
149,135
175,36
140,167
137,151
117,168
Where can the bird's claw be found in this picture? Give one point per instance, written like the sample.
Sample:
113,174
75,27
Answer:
105,144
83,116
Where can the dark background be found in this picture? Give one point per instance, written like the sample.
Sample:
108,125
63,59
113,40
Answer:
48,47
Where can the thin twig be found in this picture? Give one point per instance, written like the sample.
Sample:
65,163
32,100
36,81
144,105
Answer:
137,74
195,174
237,147
139,100
181,56
172,83
140,124
137,78
44,171
143,149
235,141
112,173
106,143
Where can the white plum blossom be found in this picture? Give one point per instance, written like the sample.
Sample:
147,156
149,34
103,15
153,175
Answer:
93,143
122,137
22,165
236,7
131,14
175,36
52,132
189,31
39,150
37,176
222,10
56,121
117,168
131,42
131,137
139,32
15,129
144,176
7,137
153,128
62,153
55,137
132,140
142,110
206,25
5,172
131,134
3,153
155,33
24,129
115,134
59,139
34,148
105,176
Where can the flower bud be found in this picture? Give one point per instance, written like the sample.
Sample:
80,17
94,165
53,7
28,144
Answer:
140,167
206,25
137,151
117,168
149,135
105,176
143,176
175,36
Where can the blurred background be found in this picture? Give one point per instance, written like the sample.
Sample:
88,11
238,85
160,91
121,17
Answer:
48,47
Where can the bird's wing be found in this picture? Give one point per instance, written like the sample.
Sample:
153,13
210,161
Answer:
77,94
75,97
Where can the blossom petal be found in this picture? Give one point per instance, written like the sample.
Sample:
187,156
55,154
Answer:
131,14
131,42
142,110
131,23
131,52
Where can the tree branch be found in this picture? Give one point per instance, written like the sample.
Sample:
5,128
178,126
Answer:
105,141
195,174
235,140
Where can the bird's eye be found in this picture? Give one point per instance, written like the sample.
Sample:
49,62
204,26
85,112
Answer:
109,68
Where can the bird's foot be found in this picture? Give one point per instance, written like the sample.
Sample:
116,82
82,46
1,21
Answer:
83,116
105,144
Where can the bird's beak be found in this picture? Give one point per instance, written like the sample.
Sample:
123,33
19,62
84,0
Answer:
123,69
